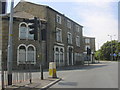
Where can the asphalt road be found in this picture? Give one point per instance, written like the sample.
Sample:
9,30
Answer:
102,75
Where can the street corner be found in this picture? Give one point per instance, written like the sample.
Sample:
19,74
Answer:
53,81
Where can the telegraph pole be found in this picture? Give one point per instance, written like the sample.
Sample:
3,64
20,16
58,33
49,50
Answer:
10,51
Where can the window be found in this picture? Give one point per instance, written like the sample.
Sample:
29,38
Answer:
58,35
77,28
78,41
87,40
58,19
68,24
86,47
30,54
26,54
69,38
77,57
23,30
21,54
59,55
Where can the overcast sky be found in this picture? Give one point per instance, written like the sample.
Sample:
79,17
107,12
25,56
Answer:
99,18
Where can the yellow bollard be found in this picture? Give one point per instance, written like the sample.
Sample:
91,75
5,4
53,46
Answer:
52,70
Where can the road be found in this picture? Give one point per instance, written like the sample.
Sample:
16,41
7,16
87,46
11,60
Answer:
102,75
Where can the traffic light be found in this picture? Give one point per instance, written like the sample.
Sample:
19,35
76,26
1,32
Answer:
88,51
33,26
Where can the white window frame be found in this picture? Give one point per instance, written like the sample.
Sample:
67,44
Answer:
58,35
59,53
87,40
27,36
78,41
26,53
69,37
34,53
68,55
58,19
56,56
69,24
18,57
26,29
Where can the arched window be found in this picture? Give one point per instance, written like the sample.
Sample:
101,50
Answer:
57,56
21,54
61,57
23,30
31,54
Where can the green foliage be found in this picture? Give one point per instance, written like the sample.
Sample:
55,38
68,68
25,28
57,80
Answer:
104,52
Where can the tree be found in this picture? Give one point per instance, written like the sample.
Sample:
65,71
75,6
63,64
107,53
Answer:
104,53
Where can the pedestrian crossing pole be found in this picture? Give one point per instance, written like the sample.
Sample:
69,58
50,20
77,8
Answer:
10,51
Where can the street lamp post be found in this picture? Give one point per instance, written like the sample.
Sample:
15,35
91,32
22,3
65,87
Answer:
98,54
111,47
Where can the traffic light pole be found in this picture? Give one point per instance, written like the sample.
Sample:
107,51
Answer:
10,52
88,59
41,47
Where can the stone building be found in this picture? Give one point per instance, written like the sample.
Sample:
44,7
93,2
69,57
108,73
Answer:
25,48
60,38
63,36
89,42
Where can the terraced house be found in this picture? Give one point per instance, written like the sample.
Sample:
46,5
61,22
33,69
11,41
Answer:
61,39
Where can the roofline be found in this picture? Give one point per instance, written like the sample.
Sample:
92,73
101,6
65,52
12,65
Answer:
30,3
88,37
63,15
8,15
49,8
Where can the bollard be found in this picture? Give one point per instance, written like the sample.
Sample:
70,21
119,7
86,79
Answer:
52,70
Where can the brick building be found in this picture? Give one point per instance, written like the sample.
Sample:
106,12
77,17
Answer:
61,38
25,48
89,42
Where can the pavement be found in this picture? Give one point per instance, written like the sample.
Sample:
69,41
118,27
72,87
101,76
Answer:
37,84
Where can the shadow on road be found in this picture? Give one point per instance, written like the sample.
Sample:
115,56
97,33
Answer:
82,67
68,83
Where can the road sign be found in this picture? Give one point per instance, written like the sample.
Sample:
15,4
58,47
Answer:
114,55
119,54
